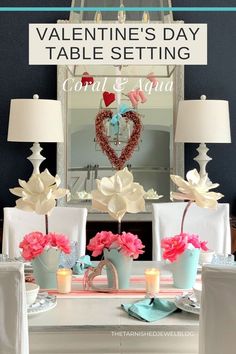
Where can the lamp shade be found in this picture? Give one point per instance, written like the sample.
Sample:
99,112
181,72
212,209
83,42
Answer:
203,121
35,120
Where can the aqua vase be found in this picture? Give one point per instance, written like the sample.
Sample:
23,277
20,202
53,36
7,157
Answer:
184,269
123,265
45,267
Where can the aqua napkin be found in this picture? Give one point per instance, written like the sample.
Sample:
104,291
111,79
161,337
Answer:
81,264
148,311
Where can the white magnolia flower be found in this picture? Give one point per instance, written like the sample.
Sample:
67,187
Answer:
39,194
196,189
118,194
83,195
152,194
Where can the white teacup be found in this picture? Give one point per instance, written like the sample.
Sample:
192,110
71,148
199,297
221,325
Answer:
197,289
206,257
31,293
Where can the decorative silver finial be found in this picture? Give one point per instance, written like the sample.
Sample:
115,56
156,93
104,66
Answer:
98,17
36,96
121,14
203,97
146,17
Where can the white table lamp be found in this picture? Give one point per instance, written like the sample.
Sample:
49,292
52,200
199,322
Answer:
35,120
203,121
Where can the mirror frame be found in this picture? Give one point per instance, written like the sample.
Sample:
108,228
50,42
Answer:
178,148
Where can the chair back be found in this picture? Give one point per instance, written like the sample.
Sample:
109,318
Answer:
217,314
211,225
64,220
13,310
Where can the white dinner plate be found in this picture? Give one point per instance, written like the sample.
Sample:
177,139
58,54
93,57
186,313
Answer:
43,303
188,304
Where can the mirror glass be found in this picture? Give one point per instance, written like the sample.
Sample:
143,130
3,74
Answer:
81,160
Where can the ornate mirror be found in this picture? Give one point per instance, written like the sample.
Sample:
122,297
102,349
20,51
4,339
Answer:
81,159
81,89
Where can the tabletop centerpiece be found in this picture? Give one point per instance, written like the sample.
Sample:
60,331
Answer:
183,250
39,195
117,195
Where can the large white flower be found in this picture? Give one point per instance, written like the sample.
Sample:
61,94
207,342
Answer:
39,194
152,194
118,194
196,189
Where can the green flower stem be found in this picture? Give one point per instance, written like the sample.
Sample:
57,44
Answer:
46,223
184,214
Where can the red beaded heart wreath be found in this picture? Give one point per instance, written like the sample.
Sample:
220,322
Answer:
126,153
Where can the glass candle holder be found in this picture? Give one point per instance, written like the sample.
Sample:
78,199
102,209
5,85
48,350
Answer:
152,280
64,278
3,257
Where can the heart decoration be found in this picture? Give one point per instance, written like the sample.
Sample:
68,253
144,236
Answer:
86,79
108,98
98,271
126,153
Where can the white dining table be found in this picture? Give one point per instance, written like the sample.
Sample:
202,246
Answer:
99,325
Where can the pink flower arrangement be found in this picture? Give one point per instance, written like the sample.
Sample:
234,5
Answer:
176,245
130,245
60,241
35,243
127,243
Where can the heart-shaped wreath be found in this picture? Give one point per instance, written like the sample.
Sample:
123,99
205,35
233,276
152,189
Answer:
102,139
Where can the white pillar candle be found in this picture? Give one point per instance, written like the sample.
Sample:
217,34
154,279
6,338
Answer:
152,279
64,277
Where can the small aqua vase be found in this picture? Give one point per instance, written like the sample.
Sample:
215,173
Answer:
184,269
123,265
45,267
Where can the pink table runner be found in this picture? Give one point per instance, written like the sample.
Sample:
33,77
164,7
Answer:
137,289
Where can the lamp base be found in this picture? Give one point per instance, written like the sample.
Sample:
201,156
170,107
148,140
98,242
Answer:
202,158
36,158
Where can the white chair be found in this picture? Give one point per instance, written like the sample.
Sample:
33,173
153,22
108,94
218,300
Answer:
13,310
217,314
211,225
64,220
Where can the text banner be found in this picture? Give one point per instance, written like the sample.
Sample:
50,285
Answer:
118,44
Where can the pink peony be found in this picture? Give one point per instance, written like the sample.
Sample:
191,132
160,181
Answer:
35,243
194,240
127,243
176,245
130,245
103,239
60,241
204,246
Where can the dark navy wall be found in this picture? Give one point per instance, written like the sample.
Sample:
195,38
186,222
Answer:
216,80
19,80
